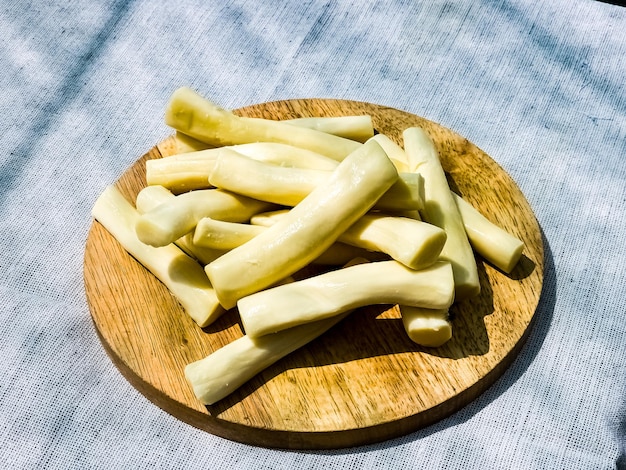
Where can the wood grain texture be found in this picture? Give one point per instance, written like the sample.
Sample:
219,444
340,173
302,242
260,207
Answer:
362,382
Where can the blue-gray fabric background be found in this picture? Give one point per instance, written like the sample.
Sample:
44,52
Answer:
539,86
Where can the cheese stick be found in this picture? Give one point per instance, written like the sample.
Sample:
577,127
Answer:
414,243
308,229
152,196
441,210
334,292
288,186
228,368
195,116
425,326
182,275
171,220
188,171
492,242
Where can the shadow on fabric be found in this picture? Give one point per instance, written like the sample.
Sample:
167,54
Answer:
619,3
529,351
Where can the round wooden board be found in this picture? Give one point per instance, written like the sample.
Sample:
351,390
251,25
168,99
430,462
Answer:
363,381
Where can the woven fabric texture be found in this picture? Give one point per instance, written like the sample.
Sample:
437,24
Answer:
539,86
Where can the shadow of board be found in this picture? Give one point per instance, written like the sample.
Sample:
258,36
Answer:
374,326
536,336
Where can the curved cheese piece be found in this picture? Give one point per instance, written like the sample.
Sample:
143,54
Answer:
182,275
441,210
308,229
334,292
197,117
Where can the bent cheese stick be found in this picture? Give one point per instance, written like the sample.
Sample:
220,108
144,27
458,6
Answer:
182,275
359,128
280,185
171,220
151,197
191,170
493,243
425,326
182,172
216,235
195,116
308,229
288,186
414,243
329,294
441,210
228,368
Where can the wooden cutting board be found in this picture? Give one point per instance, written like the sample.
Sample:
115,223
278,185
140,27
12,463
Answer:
362,382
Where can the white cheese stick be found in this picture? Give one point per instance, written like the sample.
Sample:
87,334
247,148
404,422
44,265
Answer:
308,229
219,236
188,171
171,220
413,243
182,275
441,210
395,152
490,241
288,186
193,115
359,128
182,172
425,326
328,294
152,196
281,185
228,368
493,243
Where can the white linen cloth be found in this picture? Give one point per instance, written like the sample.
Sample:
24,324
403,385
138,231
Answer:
540,86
